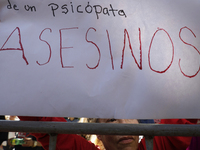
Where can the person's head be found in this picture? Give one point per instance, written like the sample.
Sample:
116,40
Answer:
119,142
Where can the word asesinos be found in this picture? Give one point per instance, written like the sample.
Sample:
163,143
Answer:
126,36
98,9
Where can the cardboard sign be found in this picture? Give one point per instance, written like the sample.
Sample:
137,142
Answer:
108,59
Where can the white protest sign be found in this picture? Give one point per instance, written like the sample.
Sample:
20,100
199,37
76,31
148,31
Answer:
108,59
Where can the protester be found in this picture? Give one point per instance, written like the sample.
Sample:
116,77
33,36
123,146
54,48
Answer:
3,135
119,142
157,121
30,142
75,142
195,144
146,121
97,142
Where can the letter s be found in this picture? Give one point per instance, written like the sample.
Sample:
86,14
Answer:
48,45
96,47
189,76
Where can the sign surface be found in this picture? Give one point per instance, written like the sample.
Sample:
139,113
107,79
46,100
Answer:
100,58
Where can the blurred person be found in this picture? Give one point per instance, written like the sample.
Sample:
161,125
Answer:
195,144
157,121
30,142
119,142
3,135
114,142
146,121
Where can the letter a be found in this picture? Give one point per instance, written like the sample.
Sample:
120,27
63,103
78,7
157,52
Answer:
20,43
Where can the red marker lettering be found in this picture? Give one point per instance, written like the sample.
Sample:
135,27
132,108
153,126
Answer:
159,29
189,76
61,47
20,43
95,46
126,34
110,50
48,46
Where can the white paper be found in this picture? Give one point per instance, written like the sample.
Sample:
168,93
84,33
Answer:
74,58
